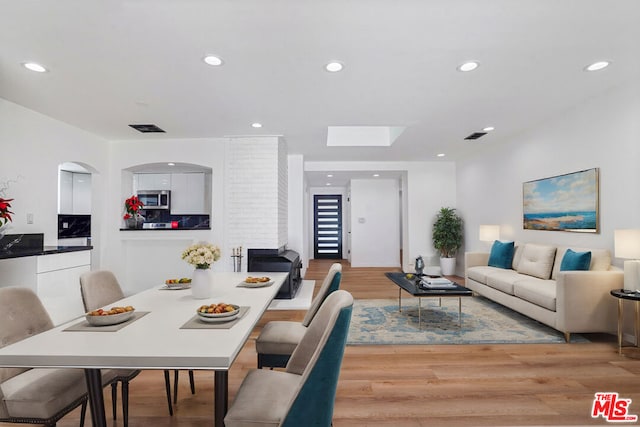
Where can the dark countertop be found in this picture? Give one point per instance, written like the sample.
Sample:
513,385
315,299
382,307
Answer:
165,229
46,250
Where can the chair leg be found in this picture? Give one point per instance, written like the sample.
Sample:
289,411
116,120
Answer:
167,385
192,383
114,397
125,403
175,387
83,413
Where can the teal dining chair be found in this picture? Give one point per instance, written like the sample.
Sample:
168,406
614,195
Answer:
278,339
303,394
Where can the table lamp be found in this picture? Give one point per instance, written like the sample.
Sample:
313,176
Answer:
489,233
627,245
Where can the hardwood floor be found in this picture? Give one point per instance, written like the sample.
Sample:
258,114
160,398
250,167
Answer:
456,385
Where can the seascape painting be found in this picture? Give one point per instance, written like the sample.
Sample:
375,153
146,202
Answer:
562,203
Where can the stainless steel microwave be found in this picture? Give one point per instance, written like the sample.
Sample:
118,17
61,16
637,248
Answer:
155,199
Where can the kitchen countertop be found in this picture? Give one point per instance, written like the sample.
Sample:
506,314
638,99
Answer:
45,250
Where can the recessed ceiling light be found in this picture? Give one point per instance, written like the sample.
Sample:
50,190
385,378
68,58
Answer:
171,164
256,125
441,155
334,67
213,60
329,175
468,66
597,66
34,67
328,183
488,129
376,175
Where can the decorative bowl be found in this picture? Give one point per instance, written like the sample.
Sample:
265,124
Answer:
109,319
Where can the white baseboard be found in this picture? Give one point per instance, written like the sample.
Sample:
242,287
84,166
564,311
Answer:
302,301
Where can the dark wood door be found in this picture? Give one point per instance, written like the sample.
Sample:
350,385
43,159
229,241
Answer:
327,226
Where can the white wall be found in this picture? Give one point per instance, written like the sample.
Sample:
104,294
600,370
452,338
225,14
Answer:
603,133
297,209
31,148
375,215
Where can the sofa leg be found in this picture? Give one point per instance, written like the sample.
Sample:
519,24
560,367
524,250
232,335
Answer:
567,337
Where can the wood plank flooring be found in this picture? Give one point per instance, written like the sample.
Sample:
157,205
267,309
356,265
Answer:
389,385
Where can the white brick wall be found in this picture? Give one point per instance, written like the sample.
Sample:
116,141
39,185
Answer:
256,201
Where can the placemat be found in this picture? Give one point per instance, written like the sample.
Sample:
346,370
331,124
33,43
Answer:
84,326
195,323
253,285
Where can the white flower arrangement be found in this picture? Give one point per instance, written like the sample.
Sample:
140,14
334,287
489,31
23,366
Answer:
201,255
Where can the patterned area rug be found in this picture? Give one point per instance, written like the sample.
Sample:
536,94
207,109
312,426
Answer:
483,322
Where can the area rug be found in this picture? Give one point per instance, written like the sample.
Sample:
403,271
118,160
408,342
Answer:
483,322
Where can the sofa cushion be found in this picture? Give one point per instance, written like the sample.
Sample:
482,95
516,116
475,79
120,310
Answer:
479,273
536,291
503,280
600,259
517,254
501,255
537,260
575,261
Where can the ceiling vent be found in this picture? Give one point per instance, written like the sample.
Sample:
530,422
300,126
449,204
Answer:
476,135
147,128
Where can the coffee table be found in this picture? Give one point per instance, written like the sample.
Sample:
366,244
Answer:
411,286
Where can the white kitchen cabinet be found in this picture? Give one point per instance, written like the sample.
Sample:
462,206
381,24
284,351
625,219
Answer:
58,283
74,193
187,193
153,181
65,193
82,193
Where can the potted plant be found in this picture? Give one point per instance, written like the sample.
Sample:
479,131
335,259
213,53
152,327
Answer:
132,215
447,238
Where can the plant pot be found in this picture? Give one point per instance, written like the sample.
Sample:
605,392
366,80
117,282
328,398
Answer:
134,222
448,266
201,283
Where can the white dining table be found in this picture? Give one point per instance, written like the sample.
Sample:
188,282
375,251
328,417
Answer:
153,341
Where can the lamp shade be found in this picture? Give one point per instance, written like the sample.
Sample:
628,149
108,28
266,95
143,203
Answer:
627,244
489,233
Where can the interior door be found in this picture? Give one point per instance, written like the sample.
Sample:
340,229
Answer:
327,226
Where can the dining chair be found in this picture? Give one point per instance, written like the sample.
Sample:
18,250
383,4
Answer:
98,289
303,394
37,395
279,338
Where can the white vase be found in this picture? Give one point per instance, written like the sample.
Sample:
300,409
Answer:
448,266
201,283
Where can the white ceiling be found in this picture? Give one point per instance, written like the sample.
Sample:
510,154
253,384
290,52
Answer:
115,62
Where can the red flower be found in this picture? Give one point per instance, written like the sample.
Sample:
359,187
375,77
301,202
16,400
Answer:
5,213
132,205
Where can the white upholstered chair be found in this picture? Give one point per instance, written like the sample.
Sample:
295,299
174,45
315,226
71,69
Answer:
303,394
39,395
101,288
279,338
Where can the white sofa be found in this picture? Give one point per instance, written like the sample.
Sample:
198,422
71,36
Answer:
568,301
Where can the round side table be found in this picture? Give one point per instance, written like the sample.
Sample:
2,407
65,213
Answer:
634,296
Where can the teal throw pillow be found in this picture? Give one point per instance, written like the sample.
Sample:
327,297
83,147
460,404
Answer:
575,261
501,254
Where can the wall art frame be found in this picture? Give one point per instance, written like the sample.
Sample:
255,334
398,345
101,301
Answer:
568,202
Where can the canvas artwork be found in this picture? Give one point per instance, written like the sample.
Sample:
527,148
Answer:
564,203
